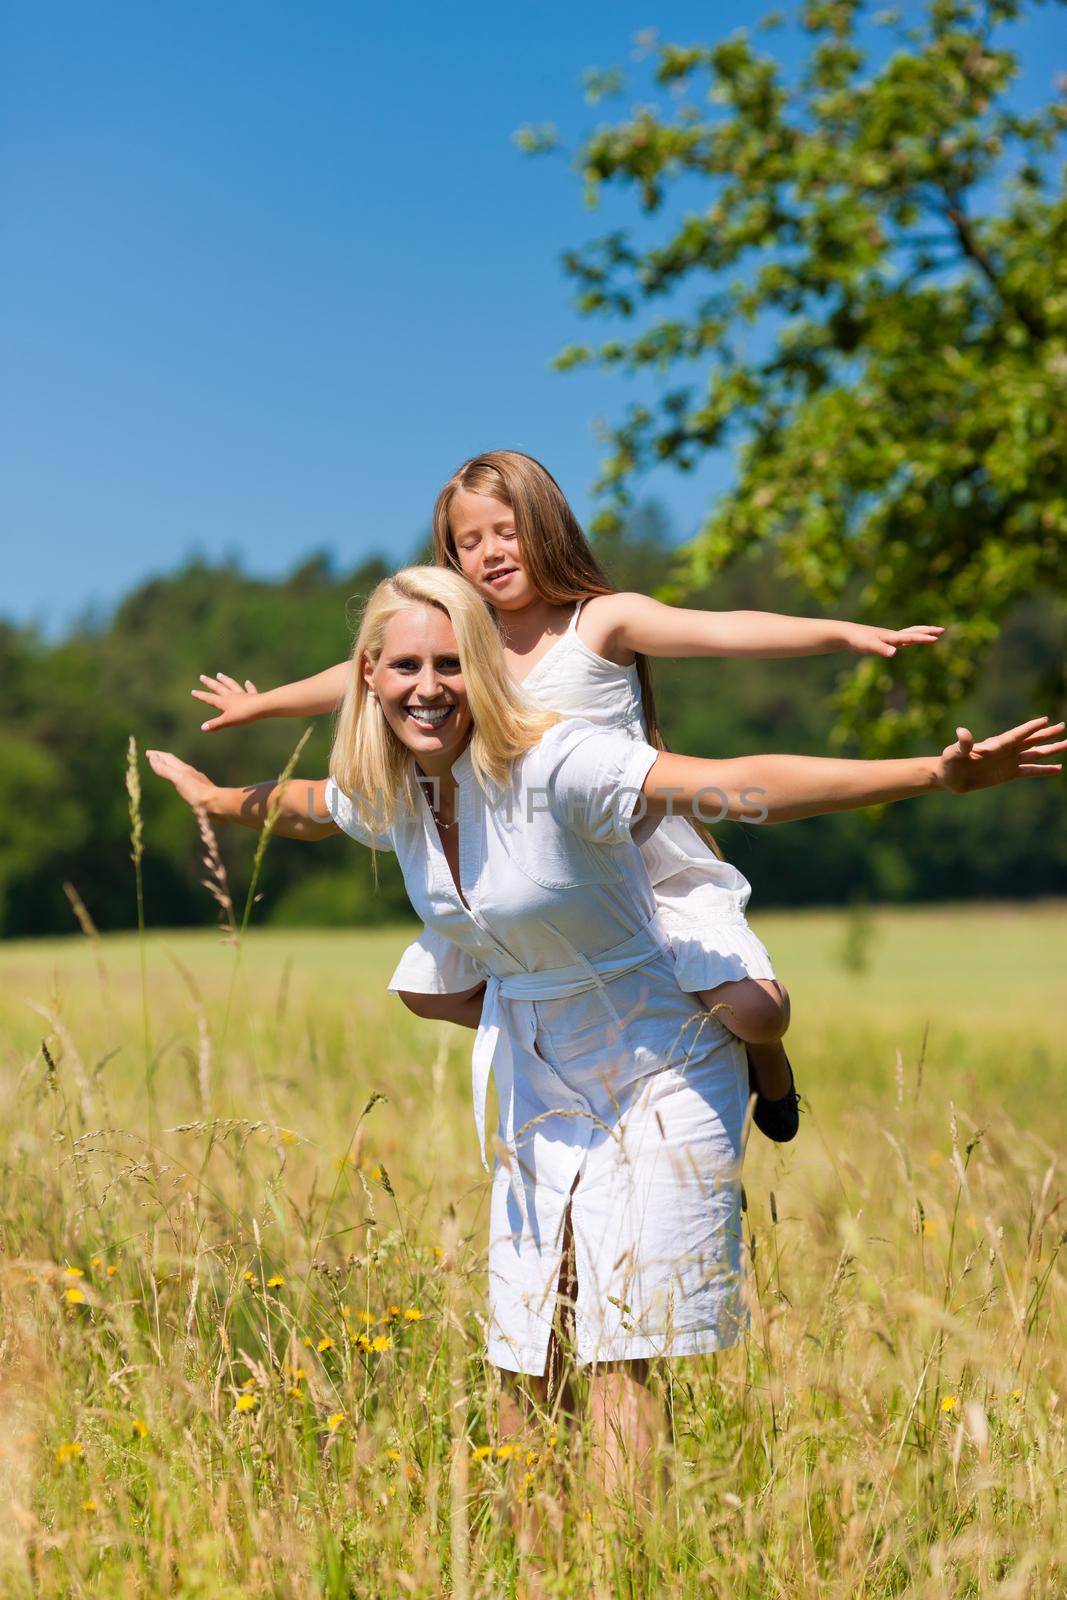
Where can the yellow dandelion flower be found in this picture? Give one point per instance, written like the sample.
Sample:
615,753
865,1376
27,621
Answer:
438,1253
931,1227
69,1451
949,1403
412,1314
111,1271
286,1136
346,1312
367,1318
295,1391
96,1262
76,1297
528,1478
531,1458
325,1343
394,1455
249,1277
553,1439
73,1272
376,1174
334,1420
506,1451
89,1506
392,1490
275,1282
249,1383
390,1312
382,1342
140,1428
246,1402
298,1373
363,1342
480,1452
1016,1394
307,1342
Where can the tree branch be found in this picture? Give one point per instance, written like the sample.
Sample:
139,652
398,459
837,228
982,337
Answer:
956,216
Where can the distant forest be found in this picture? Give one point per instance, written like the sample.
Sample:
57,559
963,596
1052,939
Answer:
69,707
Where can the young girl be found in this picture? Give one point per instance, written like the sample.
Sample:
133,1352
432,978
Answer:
621,1102
578,646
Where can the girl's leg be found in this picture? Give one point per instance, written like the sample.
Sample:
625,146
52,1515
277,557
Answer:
756,1010
466,1008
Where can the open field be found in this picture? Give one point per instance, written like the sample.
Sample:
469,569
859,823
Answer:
240,1302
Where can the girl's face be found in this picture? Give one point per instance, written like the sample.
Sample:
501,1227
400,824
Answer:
419,684
487,547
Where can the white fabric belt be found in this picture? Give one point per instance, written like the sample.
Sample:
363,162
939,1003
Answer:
508,1028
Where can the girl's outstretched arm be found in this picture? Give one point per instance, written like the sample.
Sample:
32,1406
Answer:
636,622
776,788
307,697
298,807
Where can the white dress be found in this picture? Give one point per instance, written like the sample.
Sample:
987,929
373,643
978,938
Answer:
610,1079
701,899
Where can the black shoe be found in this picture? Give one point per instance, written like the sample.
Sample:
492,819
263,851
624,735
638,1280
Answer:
776,1119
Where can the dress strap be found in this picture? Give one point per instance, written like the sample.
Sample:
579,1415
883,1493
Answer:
573,623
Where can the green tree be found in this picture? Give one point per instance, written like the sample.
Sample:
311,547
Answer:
863,271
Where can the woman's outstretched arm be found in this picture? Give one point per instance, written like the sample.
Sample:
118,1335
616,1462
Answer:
298,807
237,705
775,788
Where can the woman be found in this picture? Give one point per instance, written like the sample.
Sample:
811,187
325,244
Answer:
621,1100
579,647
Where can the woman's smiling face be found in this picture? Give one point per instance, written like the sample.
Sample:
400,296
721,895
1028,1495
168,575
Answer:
487,548
419,684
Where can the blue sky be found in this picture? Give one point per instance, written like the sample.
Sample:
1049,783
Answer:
270,271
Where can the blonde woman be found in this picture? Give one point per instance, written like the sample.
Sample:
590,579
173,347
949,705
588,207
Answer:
580,648
621,1101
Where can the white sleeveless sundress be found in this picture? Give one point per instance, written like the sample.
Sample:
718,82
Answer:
701,900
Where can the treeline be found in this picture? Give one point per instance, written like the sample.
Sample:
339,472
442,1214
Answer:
68,709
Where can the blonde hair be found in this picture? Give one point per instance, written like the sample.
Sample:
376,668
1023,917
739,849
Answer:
368,761
555,552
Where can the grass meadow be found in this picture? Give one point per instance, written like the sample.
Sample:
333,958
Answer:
242,1287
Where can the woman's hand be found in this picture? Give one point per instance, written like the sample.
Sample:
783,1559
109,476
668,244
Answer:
864,640
195,788
965,765
236,706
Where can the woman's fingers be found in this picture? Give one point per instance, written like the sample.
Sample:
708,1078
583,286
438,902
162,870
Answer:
163,763
1028,771
208,698
919,634
250,687
229,683
1046,749
1017,738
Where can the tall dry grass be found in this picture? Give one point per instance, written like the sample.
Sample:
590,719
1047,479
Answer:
244,1357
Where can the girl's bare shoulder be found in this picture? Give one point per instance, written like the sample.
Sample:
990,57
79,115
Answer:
602,621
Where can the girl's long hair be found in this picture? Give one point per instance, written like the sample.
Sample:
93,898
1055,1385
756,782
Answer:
555,552
367,760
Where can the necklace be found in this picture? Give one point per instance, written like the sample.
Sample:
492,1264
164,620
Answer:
441,824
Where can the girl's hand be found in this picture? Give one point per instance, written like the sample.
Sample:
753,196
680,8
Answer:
236,706
965,765
195,788
867,641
